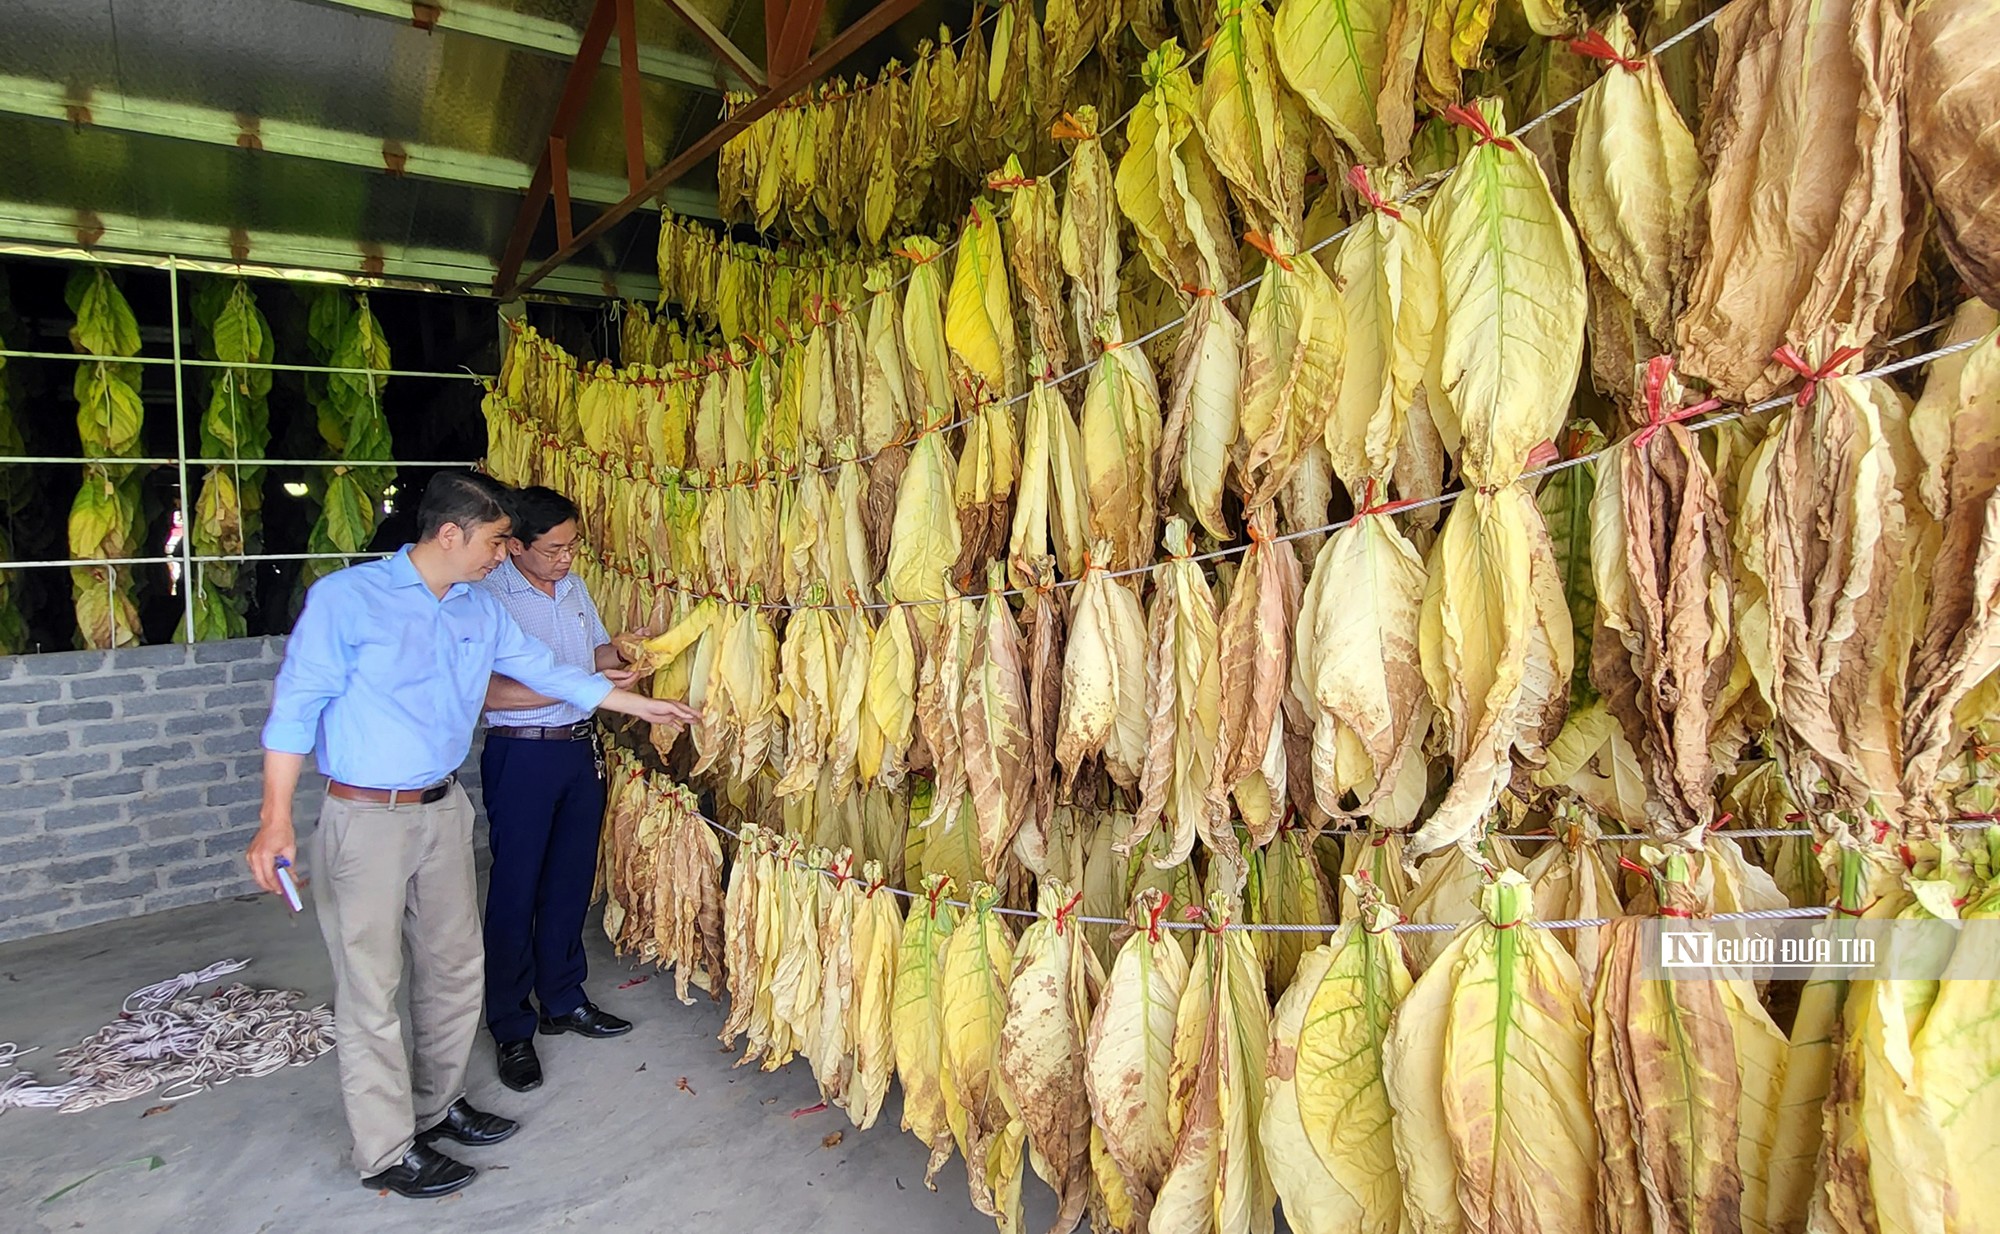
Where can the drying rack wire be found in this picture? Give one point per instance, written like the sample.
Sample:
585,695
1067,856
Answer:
836,309
1406,927
1444,499
1421,187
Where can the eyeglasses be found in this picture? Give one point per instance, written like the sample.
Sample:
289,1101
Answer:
558,552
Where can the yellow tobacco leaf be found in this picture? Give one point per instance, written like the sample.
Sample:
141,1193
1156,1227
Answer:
972,1000
979,321
1201,410
1251,125
1326,1131
1120,433
1129,1055
1633,172
1475,635
1357,669
917,1022
1512,335
1042,1048
1334,54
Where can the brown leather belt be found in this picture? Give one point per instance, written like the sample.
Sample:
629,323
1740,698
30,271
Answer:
392,796
569,732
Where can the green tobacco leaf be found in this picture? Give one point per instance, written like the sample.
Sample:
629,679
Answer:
104,322
1565,505
239,329
348,516
109,415
148,1164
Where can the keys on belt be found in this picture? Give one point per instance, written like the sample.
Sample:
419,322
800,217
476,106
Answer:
583,731
392,796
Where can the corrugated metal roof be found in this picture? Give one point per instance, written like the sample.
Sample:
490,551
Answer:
337,132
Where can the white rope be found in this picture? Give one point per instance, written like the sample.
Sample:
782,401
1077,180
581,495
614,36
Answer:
169,1037
1416,190
1407,927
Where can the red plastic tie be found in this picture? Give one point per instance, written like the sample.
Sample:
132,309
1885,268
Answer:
1594,45
1657,416
1795,362
1153,916
1062,914
1468,118
1369,505
1357,177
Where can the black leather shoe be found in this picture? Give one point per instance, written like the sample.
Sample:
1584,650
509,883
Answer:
586,1021
470,1127
424,1173
520,1070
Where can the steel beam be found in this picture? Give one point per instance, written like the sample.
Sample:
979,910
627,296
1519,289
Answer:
45,100
569,108
795,37
724,48
628,95
846,43
130,240
532,34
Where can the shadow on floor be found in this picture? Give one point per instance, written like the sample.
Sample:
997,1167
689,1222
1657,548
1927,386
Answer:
610,1143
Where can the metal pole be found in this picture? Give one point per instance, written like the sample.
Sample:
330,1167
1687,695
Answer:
198,559
217,462
461,375
181,449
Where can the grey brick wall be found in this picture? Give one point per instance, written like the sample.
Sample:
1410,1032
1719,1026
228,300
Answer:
130,780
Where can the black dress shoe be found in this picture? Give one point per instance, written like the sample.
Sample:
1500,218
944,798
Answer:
470,1127
424,1173
586,1021
520,1070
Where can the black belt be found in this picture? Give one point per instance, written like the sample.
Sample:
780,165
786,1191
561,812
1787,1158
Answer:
392,796
582,731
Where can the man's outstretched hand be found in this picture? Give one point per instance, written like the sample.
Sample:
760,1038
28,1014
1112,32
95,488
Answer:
651,710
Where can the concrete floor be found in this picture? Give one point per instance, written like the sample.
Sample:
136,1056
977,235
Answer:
608,1143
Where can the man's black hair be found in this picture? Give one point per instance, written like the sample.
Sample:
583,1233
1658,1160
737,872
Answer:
464,498
538,511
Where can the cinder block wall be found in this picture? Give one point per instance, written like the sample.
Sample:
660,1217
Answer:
130,780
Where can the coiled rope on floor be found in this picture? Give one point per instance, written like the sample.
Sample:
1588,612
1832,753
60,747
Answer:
168,1036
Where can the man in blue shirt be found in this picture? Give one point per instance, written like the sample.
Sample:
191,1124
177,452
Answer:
543,779
383,678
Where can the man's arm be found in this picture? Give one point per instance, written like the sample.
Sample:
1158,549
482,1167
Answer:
275,837
507,694
314,673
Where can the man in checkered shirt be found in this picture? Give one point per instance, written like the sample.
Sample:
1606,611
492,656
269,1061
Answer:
542,777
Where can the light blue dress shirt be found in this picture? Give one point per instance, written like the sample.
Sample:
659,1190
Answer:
384,681
567,622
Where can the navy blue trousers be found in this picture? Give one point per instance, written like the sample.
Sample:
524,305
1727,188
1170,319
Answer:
545,805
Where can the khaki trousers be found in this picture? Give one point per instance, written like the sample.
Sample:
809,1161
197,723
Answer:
384,877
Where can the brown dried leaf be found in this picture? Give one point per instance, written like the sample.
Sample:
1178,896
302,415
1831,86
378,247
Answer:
1800,227
1663,652
1954,133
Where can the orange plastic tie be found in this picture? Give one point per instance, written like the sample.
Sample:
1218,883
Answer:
1262,243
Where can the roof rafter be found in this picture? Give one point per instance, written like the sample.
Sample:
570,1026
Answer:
533,34
850,40
718,42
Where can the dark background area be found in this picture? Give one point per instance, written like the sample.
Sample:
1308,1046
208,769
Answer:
430,419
